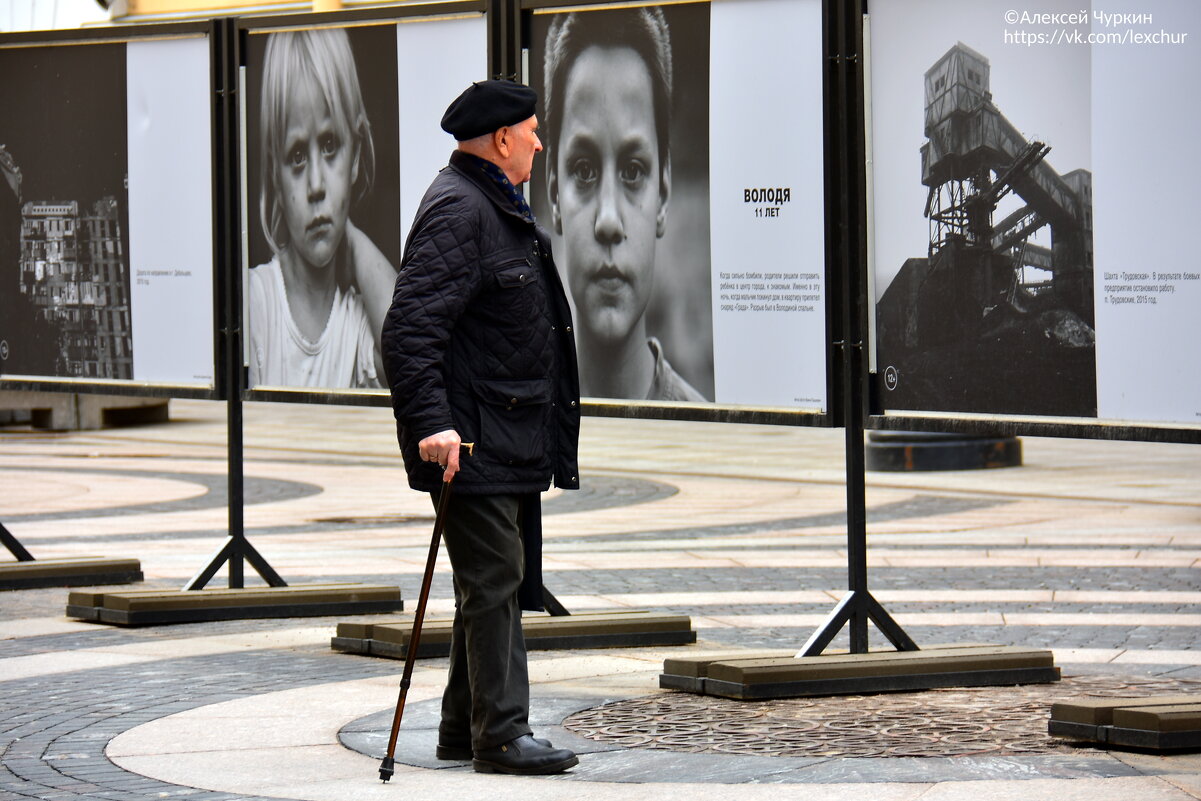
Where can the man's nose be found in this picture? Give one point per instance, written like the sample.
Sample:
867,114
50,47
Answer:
608,227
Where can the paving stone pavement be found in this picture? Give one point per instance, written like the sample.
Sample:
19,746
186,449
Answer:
1092,549
55,749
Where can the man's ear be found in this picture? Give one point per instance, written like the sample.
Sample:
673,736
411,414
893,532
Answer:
500,140
664,196
552,192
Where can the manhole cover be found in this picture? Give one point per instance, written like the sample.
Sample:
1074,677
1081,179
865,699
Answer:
995,721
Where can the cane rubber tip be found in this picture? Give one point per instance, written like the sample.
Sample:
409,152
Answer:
386,769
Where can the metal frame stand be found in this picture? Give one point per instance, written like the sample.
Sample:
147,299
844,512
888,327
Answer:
845,181
237,548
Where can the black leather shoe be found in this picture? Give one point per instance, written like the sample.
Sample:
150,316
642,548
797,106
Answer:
524,756
461,751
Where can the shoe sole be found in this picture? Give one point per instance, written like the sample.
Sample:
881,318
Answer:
482,766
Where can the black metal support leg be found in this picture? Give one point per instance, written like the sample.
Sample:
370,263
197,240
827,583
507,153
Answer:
552,604
223,555
17,549
233,552
857,608
889,627
828,630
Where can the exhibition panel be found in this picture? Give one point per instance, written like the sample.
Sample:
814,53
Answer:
319,263
697,261
107,212
1031,201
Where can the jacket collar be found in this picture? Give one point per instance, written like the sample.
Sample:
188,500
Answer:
465,164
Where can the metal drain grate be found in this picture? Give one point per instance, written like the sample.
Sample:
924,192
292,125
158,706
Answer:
995,721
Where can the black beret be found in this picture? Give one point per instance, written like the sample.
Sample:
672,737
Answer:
487,106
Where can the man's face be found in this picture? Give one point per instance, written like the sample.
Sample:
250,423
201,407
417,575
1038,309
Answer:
523,143
315,173
608,196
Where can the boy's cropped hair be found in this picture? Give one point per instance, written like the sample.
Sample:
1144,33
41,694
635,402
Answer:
644,30
324,59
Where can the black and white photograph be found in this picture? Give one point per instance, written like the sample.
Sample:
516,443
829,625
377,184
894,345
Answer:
624,189
981,154
321,204
64,213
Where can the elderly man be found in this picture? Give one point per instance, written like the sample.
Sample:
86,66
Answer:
478,347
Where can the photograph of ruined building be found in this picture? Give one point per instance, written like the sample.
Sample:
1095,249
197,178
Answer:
64,253
997,315
73,274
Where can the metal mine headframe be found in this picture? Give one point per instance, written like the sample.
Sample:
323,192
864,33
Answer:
972,159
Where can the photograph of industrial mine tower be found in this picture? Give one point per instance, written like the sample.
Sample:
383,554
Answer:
998,315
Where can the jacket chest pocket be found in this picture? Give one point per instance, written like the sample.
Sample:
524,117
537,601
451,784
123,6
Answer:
516,275
519,288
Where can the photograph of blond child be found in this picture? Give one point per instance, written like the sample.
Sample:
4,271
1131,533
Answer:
608,98
316,308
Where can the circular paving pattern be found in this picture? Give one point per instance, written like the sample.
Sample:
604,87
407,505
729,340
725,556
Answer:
993,721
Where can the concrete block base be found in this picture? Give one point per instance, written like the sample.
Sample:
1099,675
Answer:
908,451
150,607
1154,723
757,677
67,411
617,629
81,571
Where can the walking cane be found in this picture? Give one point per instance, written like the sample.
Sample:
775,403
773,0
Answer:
386,767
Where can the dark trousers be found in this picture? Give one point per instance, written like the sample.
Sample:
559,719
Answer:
487,698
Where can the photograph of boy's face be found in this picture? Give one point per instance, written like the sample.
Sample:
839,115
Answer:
609,189
316,172
624,193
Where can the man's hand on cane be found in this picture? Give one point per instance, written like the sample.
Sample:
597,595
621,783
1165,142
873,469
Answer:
443,449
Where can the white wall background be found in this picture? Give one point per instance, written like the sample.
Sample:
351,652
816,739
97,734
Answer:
33,15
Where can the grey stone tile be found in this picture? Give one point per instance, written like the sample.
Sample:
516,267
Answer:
966,768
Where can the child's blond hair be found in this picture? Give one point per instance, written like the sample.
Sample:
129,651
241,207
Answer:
322,57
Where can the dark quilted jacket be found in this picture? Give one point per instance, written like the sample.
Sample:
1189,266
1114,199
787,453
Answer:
479,339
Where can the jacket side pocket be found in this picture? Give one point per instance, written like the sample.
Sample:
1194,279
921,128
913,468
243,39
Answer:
513,418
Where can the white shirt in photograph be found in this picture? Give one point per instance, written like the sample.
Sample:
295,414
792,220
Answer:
343,357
